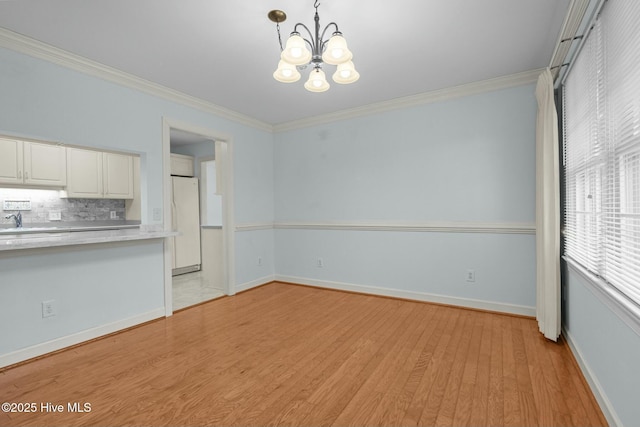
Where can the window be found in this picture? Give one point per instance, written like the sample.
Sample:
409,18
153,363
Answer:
602,150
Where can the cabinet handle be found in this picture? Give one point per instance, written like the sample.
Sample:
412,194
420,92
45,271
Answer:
26,175
19,174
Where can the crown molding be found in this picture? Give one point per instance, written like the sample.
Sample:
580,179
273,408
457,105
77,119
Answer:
40,50
468,89
37,49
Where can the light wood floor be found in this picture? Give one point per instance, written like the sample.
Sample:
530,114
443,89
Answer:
293,355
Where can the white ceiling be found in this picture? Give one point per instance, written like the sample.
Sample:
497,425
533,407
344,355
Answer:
225,52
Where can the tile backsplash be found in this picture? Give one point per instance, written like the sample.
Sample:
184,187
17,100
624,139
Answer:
45,201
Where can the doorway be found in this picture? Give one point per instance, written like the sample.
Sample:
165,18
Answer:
210,275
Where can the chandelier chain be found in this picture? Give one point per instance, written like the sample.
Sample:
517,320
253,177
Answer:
279,36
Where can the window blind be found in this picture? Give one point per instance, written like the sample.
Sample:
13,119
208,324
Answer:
602,150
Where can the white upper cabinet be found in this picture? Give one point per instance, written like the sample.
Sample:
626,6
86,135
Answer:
11,163
84,173
32,163
117,176
44,164
96,175
182,165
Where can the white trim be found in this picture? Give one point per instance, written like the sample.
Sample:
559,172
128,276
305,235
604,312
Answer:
619,304
228,200
37,49
468,89
412,295
604,402
77,338
255,226
427,226
255,283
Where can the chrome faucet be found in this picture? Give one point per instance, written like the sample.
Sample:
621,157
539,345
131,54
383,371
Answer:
17,217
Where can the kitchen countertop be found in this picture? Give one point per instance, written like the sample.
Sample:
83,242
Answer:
77,235
63,227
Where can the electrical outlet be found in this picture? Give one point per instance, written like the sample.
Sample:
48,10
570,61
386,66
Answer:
48,308
55,216
471,275
259,261
320,263
113,215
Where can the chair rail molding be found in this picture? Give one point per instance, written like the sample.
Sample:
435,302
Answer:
425,226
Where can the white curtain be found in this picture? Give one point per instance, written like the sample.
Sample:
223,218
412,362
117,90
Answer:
548,302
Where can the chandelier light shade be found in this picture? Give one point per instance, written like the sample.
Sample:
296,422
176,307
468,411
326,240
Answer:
286,72
296,52
346,73
299,52
317,81
336,52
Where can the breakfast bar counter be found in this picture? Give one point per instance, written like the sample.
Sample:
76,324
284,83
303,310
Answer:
77,236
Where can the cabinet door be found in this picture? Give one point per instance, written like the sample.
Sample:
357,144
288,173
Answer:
181,165
45,164
84,173
10,161
118,176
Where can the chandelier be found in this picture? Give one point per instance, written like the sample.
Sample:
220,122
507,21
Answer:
300,52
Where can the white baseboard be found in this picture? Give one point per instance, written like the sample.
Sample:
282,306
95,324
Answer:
77,338
601,397
412,295
255,283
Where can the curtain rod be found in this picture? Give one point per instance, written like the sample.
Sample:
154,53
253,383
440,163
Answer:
565,68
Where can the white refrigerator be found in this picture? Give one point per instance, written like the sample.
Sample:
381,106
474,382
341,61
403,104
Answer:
185,209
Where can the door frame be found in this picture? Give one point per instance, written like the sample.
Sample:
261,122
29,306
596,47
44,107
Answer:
228,221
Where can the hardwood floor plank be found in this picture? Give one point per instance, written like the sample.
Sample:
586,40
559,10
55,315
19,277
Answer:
438,373
495,407
361,407
462,414
291,361
285,355
512,415
543,381
324,363
480,400
396,385
332,396
446,412
528,408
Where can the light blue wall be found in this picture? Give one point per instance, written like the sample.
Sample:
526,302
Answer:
470,159
202,149
607,346
92,286
45,101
